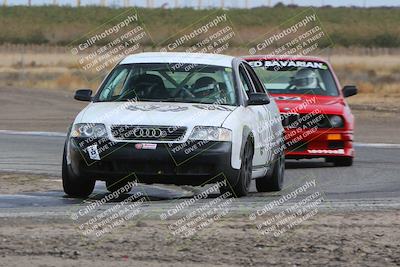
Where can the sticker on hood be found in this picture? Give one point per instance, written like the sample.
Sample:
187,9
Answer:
212,107
289,98
155,107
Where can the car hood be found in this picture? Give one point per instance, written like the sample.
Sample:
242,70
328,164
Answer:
309,103
154,113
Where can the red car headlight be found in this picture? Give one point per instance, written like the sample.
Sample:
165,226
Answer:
336,121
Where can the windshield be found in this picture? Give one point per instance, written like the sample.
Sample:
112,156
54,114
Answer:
172,82
296,77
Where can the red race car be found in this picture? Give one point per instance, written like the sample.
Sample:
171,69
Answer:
317,120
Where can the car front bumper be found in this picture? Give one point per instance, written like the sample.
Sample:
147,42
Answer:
319,143
181,164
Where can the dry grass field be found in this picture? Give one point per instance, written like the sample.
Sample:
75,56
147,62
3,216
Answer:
377,75
369,27
33,43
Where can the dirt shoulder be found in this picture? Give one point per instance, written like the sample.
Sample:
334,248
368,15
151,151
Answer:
375,126
52,110
15,183
358,239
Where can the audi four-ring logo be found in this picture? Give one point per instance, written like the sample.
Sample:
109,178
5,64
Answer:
148,132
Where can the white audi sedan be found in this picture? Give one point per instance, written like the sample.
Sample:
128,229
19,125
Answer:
176,118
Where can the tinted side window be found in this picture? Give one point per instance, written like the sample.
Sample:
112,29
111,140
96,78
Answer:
115,84
244,79
259,88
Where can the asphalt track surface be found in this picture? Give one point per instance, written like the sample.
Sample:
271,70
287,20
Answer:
372,182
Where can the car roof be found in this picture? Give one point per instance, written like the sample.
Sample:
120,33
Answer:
293,58
179,57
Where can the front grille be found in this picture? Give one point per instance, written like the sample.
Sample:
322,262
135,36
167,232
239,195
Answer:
154,167
335,144
148,132
296,146
290,119
295,120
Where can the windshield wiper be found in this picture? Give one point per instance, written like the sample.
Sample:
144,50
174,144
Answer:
134,100
183,100
175,100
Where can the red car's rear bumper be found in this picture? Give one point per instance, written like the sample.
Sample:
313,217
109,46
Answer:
317,143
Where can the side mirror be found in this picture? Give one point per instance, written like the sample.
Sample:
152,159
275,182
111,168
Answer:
83,95
258,99
349,90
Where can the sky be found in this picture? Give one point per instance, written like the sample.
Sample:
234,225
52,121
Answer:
217,3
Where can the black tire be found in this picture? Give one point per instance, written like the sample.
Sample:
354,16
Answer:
273,181
242,186
74,185
341,161
114,185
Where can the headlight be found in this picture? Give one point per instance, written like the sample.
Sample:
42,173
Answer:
336,121
210,133
88,130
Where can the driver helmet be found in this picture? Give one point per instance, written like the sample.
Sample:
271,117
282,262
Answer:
204,86
305,79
